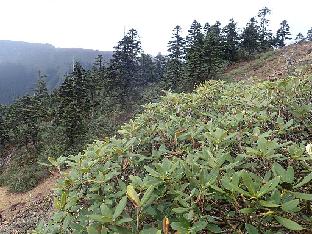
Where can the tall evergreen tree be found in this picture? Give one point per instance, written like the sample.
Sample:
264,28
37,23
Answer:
176,58
282,34
23,120
123,71
251,38
41,97
99,62
147,69
160,67
231,45
3,130
194,55
309,35
300,38
265,35
74,105
213,52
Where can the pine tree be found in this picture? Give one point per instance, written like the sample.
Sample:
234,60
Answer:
3,129
265,35
99,62
74,105
213,52
176,58
231,45
123,71
206,28
251,38
282,34
309,35
147,69
299,38
41,97
22,119
194,55
160,67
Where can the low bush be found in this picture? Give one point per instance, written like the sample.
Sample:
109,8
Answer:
228,158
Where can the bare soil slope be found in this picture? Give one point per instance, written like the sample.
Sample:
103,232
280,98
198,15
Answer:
20,212
291,60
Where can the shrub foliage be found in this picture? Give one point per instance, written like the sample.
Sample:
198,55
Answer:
227,158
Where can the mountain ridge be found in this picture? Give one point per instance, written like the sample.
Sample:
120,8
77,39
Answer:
20,62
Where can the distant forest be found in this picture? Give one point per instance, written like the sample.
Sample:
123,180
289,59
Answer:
20,63
92,102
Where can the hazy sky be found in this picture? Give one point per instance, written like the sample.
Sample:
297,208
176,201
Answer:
99,24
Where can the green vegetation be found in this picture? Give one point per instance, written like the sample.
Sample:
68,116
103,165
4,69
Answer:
93,103
227,158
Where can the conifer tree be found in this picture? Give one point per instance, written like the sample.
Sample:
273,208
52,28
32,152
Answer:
251,38
231,45
299,38
194,55
213,52
123,71
74,105
41,97
99,62
265,35
23,120
309,35
160,67
3,129
282,34
176,58
147,69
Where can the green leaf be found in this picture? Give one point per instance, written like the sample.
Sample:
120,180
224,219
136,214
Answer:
214,228
305,180
269,186
149,231
53,161
106,211
289,224
180,210
291,206
180,226
303,196
197,227
133,196
233,187
63,199
120,207
269,204
147,195
251,229
247,210
124,220
248,182
289,175
92,230
100,218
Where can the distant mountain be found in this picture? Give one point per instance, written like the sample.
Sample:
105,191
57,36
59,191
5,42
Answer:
21,61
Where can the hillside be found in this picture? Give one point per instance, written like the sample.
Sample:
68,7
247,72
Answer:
21,61
239,146
293,60
239,118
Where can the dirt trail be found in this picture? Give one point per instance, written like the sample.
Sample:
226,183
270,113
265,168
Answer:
20,212
8,199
